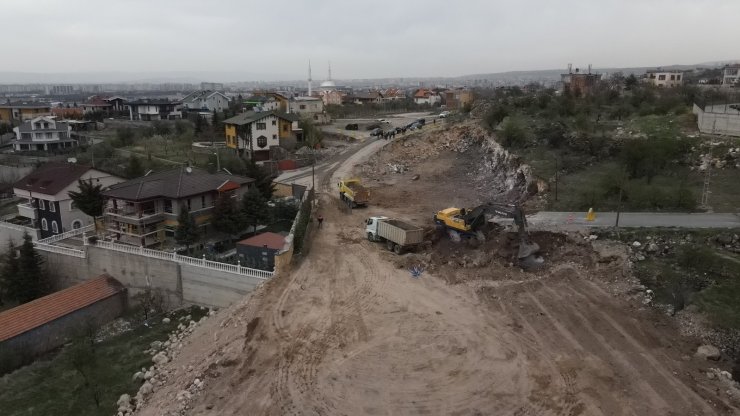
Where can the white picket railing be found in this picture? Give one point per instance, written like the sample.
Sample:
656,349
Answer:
61,250
191,261
67,234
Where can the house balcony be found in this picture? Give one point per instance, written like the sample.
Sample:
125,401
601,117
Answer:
135,236
27,210
133,216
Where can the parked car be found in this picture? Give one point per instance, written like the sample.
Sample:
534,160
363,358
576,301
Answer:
398,130
352,126
421,121
416,126
376,132
444,114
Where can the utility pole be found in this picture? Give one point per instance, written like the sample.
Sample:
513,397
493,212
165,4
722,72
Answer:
707,175
556,178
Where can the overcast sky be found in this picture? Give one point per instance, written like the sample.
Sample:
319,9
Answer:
363,39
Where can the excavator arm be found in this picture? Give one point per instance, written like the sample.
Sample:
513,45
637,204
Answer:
476,217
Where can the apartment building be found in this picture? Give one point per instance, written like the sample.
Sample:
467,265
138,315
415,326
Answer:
664,78
43,134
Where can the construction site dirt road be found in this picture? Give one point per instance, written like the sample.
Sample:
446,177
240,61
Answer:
351,332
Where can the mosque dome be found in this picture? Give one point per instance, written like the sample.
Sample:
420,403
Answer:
328,84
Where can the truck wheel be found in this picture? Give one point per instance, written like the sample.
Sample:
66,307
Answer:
389,245
397,249
370,237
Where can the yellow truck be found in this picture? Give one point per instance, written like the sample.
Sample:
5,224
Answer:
352,193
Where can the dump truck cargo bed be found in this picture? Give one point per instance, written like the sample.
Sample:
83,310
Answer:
401,233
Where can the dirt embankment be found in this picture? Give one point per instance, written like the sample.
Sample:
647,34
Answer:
351,331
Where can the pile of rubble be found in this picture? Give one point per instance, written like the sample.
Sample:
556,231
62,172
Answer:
729,161
157,374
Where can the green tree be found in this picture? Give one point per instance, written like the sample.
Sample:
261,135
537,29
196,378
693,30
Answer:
134,168
89,199
283,211
30,282
495,115
630,82
227,217
161,128
125,135
182,127
186,231
262,178
513,132
9,273
255,208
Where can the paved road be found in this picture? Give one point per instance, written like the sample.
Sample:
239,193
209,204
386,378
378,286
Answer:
635,220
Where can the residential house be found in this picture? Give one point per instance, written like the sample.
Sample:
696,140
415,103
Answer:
206,100
47,323
255,132
262,103
67,112
426,96
144,211
45,134
22,111
458,98
48,206
310,108
731,76
393,94
258,252
150,109
579,83
283,102
367,97
664,78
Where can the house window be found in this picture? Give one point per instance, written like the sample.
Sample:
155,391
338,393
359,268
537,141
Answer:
54,227
44,224
302,107
189,205
274,122
46,125
203,201
42,206
262,141
76,224
52,207
261,126
678,77
168,206
661,77
285,127
673,77
274,137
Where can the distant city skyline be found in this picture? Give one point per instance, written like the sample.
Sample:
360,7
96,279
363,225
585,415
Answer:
234,40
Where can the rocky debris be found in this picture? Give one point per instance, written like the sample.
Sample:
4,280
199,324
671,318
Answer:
160,359
652,248
158,374
708,352
397,168
112,329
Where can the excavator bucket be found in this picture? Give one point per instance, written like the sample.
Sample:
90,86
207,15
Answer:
527,249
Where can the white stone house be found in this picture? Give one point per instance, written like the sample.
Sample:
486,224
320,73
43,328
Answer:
43,133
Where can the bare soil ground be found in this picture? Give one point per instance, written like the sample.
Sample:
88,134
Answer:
351,332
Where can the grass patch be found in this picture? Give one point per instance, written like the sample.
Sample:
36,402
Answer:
54,386
695,271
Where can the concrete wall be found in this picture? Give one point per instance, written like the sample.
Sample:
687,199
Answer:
181,284
11,174
15,233
206,287
718,119
57,332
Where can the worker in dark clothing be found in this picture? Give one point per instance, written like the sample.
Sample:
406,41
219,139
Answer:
321,220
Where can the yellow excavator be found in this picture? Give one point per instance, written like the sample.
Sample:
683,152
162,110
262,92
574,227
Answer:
468,223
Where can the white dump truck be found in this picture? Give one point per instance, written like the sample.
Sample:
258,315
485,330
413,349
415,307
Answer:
398,236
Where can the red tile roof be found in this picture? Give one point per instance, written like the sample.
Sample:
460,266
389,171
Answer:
272,240
51,178
41,311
